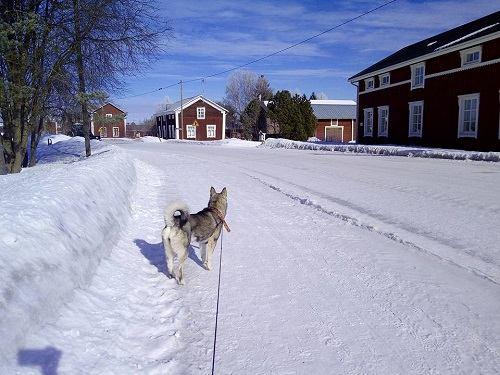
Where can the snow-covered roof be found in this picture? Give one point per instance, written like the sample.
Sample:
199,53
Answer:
334,109
438,44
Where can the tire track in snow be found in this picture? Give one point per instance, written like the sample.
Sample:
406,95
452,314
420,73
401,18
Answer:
390,235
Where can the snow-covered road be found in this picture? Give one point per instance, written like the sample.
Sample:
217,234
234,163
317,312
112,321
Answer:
336,264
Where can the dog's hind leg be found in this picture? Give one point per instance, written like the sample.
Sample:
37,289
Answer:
203,251
180,274
169,252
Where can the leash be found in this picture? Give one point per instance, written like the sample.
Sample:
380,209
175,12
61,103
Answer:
217,308
221,218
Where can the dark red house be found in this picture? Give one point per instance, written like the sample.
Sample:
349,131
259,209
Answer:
203,120
443,91
108,121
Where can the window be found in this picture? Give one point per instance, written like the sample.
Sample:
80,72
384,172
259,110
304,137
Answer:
103,132
369,84
368,129
200,113
383,121
210,131
417,76
191,131
416,119
116,132
471,56
109,115
385,79
468,111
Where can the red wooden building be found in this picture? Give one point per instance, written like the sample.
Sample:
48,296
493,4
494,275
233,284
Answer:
109,121
336,120
443,91
203,120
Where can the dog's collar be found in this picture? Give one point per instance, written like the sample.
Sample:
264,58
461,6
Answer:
220,216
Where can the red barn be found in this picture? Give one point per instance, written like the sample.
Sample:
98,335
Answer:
108,121
203,120
443,91
336,120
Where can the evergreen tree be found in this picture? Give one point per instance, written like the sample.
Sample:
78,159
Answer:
293,114
313,96
253,120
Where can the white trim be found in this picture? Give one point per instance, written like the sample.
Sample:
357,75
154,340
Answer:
411,105
215,131
224,125
118,108
193,129
413,76
372,80
439,74
461,100
470,51
91,126
352,130
198,113
365,127
177,125
381,79
117,132
379,117
435,53
109,115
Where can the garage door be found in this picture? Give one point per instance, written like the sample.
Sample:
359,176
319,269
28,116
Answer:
334,134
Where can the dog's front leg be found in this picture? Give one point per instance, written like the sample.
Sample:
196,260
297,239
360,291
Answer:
210,246
203,251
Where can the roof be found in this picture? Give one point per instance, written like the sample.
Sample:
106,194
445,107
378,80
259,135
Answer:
334,109
481,27
186,102
118,108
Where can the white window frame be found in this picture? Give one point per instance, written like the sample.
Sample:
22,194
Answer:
471,51
414,76
367,81
367,133
200,113
461,116
103,132
190,131
214,127
117,132
412,105
109,115
381,79
379,121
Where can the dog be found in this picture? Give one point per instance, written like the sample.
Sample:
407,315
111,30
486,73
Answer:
205,226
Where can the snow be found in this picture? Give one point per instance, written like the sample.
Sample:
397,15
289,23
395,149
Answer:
387,150
465,37
333,101
57,222
335,263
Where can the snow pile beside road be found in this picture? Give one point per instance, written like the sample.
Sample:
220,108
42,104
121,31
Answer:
228,142
56,223
66,149
385,150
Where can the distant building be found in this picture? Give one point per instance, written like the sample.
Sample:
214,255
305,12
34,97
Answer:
204,120
336,120
52,127
443,91
109,121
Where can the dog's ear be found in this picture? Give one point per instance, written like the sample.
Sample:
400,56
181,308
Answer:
224,192
212,191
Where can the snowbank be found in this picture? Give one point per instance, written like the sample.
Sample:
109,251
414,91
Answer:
57,221
228,142
385,150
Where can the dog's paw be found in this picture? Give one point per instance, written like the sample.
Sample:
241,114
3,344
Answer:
207,266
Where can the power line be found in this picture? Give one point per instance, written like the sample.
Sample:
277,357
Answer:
273,53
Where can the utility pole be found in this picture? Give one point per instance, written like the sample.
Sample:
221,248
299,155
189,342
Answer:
182,117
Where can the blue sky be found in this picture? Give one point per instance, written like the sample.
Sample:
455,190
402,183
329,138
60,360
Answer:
212,36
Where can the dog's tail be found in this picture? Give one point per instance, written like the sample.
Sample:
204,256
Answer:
176,214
